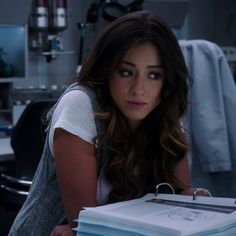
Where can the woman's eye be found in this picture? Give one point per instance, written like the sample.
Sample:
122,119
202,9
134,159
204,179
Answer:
125,72
154,75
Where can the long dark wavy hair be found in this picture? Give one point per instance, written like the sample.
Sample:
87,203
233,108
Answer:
139,160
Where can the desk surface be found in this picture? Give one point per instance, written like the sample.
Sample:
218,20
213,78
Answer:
6,152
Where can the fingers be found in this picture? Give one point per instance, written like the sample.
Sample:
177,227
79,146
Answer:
62,230
196,191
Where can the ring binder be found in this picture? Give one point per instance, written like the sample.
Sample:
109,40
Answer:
167,184
194,193
198,190
178,214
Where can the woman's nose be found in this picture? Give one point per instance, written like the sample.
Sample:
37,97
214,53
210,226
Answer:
138,85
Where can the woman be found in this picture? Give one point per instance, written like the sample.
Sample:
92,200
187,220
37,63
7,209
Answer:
116,133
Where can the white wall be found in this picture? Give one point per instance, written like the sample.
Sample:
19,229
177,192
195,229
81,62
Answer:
213,20
206,19
39,71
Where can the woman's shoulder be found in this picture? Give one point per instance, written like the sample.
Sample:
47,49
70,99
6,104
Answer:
72,100
75,98
82,88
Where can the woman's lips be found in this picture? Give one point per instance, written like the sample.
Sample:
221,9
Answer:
136,104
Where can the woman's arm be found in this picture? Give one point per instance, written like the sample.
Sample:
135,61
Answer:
182,173
76,171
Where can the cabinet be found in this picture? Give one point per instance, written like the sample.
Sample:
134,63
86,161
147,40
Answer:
13,65
5,108
13,52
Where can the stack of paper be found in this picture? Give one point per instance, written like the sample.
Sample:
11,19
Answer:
165,215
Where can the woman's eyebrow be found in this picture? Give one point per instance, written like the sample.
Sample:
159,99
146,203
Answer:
132,64
155,66
128,63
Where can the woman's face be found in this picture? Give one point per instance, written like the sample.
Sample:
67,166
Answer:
136,88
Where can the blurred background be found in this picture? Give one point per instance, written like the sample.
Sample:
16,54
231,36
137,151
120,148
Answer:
43,43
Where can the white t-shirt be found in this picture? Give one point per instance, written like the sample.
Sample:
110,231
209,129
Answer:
74,113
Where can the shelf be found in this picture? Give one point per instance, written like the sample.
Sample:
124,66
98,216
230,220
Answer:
10,79
52,53
5,111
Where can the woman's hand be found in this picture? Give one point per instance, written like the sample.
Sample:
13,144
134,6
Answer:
196,191
62,230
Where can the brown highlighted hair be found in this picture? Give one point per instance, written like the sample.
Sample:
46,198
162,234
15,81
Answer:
140,160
